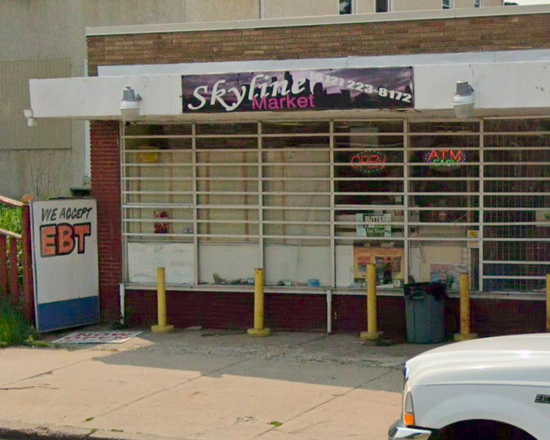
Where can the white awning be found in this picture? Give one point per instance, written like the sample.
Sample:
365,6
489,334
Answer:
505,83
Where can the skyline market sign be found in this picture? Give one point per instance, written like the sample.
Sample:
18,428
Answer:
300,90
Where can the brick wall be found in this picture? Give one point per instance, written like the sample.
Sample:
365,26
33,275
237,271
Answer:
106,190
228,310
342,40
224,310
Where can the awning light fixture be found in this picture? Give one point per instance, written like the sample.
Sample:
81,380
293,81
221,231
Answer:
130,105
464,102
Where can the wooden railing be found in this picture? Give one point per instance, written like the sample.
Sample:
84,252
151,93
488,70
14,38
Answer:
10,265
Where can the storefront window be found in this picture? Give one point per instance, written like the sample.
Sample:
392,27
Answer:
516,250
296,203
443,201
314,202
369,202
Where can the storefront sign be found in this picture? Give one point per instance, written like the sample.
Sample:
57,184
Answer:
473,233
64,236
447,273
369,225
369,162
389,264
147,156
383,88
178,259
446,157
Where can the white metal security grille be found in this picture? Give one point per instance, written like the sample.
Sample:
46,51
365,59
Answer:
516,236
300,197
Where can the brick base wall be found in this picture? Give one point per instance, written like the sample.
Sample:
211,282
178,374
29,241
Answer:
222,310
501,317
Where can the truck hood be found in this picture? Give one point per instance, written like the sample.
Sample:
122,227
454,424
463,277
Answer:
521,359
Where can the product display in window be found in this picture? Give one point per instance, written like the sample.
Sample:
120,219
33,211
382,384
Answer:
162,227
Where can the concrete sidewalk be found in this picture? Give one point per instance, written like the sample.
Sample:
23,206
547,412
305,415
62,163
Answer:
206,385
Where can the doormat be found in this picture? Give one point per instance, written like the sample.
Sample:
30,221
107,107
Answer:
97,337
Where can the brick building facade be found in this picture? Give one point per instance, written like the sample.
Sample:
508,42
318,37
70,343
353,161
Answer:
498,308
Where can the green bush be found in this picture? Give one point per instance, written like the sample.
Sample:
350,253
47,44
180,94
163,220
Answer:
14,327
11,219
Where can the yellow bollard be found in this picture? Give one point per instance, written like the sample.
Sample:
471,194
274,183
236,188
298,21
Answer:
259,297
162,326
548,302
372,313
464,334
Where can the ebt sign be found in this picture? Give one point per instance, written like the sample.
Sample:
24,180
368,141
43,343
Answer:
59,237
64,239
298,90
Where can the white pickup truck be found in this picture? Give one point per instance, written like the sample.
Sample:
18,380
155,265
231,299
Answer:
486,389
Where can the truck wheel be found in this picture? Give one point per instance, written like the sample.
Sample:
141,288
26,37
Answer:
482,430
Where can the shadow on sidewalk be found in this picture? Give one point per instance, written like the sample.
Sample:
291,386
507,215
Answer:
334,360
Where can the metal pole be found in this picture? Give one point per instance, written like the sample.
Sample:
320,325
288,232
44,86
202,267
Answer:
161,297
372,313
329,311
259,298
162,326
548,302
464,334
259,303
122,295
464,304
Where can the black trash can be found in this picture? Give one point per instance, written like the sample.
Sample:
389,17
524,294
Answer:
425,312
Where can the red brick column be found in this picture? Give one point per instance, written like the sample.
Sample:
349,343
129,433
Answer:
105,153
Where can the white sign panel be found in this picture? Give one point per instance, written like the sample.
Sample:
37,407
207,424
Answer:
369,225
64,237
178,259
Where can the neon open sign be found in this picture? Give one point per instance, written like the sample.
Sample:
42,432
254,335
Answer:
446,157
369,162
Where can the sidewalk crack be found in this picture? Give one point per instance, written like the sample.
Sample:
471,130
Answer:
205,374
309,341
29,387
334,397
34,376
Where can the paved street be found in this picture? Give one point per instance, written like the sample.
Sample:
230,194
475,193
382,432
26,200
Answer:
207,385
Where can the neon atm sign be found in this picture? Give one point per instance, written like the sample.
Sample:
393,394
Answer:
445,157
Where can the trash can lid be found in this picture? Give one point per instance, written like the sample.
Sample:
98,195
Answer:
438,289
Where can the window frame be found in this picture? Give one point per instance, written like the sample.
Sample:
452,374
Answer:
389,6
489,203
352,7
448,4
